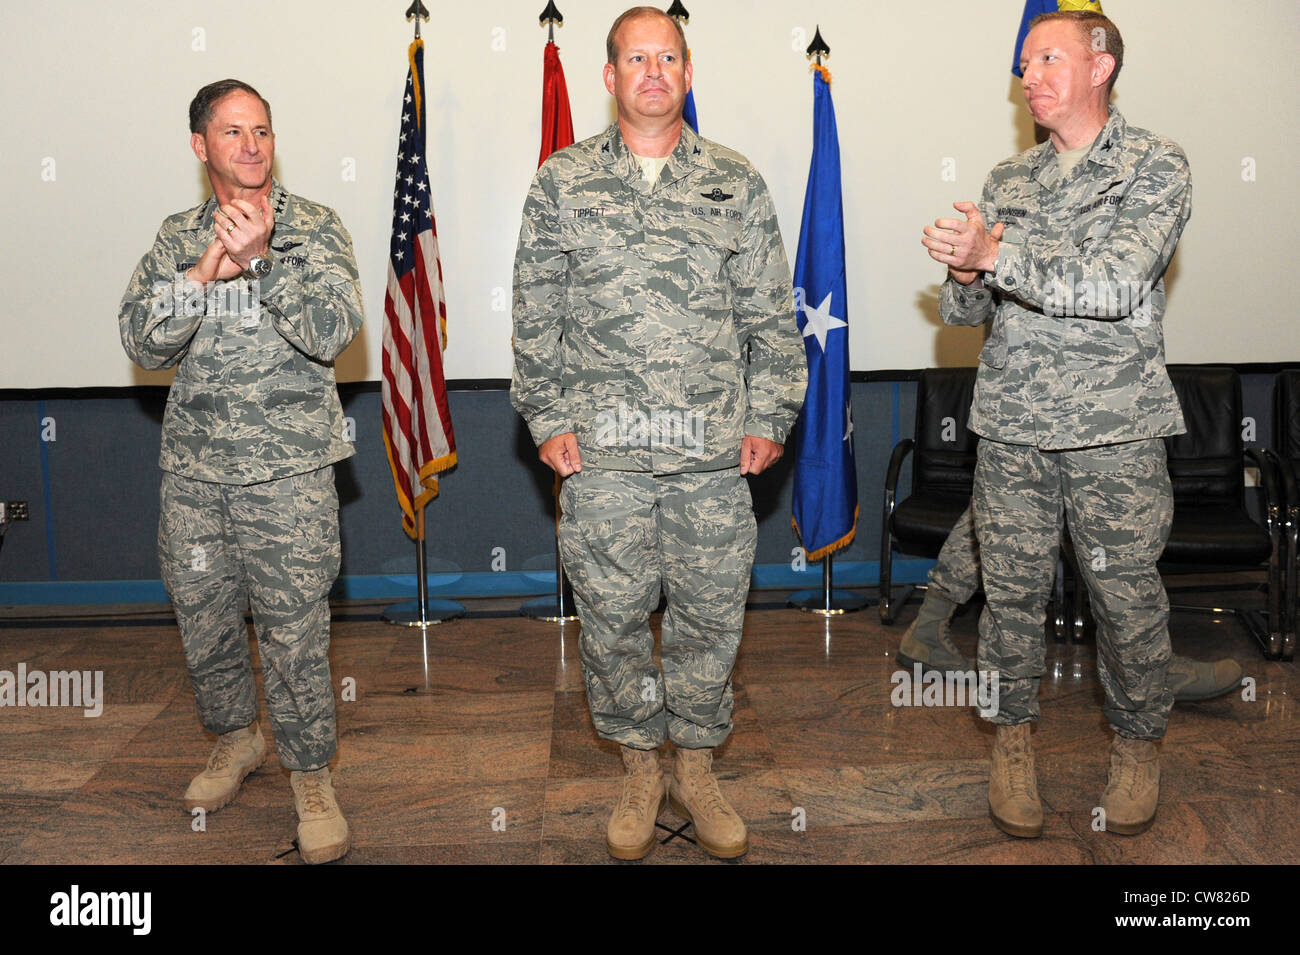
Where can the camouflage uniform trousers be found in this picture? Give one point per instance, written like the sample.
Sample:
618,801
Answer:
624,535
956,574
1119,504
274,546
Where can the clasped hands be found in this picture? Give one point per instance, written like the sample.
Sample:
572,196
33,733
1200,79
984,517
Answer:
243,231
967,248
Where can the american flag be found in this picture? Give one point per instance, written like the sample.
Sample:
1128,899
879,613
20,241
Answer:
417,422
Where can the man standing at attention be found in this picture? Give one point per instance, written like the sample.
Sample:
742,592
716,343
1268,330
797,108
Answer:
657,362
251,295
1072,401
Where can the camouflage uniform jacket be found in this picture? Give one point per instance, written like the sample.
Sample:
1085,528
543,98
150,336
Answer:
656,323
254,397
1075,356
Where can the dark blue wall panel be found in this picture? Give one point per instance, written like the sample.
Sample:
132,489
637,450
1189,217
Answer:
100,512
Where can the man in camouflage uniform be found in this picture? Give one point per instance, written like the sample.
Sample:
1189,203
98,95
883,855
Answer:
1072,401
251,295
657,361
955,578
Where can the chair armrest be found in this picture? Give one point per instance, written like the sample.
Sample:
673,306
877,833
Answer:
901,451
1286,477
1274,501
1290,523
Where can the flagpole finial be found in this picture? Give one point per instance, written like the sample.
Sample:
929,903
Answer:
549,18
678,12
818,47
417,11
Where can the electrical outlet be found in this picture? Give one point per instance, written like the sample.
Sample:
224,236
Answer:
15,511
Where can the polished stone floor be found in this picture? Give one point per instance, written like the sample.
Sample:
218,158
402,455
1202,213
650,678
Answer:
475,746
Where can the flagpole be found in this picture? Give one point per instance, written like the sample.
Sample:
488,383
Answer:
681,16
421,612
557,607
551,16
827,601
417,11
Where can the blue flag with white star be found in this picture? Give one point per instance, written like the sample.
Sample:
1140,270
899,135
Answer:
825,477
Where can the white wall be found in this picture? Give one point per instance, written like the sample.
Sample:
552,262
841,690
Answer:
102,90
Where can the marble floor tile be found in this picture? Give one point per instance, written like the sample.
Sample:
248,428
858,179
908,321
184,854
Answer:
472,744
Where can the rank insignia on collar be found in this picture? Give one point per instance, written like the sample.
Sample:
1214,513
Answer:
717,195
604,147
696,151
1107,145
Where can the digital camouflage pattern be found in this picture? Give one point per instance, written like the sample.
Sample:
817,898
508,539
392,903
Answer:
655,322
1075,356
1072,397
249,514
623,536
956,573
254,397
1119,504
273,546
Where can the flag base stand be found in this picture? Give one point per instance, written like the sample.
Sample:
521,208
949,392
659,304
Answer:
421,612
408,614
556,608
549,610
827,601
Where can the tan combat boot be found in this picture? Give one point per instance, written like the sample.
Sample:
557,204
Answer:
322,831
1013,785
694,795
1193,680
927,642
631,830
236,755
1133,791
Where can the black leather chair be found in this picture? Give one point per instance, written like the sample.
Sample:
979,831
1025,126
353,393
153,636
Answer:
1286,448
943,477
1212,530
943,473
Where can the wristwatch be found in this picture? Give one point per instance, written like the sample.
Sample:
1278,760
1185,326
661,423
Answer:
259,266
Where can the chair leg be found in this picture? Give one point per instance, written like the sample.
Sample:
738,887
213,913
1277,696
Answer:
1080,612
886,579
1292,558
1058,600
1269,641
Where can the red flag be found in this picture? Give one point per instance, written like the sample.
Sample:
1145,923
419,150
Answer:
417,420
557,122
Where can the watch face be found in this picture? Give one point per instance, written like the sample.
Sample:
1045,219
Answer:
260,267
